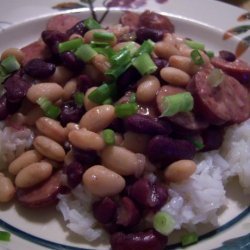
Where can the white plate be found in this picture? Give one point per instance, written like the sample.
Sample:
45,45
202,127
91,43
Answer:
205,21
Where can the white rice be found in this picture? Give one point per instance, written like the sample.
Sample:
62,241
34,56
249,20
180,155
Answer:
13,142
196,200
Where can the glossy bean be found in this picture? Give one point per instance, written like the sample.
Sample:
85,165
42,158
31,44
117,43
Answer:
123,161
179,171
86,140
70,127
165,50
88,104
69,89
101,63
102,181
49,148
7,189
51,128
147,89
175,76
24,160
52,91
61,75
98,118
33,174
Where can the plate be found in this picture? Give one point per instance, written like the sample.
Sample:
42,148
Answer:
206,21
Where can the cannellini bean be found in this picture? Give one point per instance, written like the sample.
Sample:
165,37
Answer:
33,174
69,89
175,76
49,148
88,104
52,91
147,88
165,50
94,74
98,118
7,189
70,127
183,63
101,63
85,139
102,181
24,160
122,161
51,128
179,170
61,75
33,115
17,53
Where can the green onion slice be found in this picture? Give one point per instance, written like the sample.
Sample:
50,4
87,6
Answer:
216,77
85,52
189,239
78,97
132,98
10,64
181,102
122,57
49,109
146,47
210,53
125,109
91,24
108,136
101,94
198,142
103,36
108,101
115,71
163,223
70,45
4,236
144,64
196,57
194,44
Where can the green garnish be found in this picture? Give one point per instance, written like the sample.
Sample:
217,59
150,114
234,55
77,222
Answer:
4,236
146,47
144,64
163,223
194,44
103,36
102,93
173,104
189,239
49,109
196,57
85,52
70,45
78,97
108,136
10,64
125,109
210,53
92,24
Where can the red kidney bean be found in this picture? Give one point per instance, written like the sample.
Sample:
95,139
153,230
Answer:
3,107
212,138
70,61
227,55
118,126
144,33
74,172
128,215
160,63
16,88
147,240
105,210
84,83
52,38
164,150
147,194
144,124
86,157
70,112
42,195
40,69
79,28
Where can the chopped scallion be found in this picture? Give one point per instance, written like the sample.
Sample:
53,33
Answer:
70,45
198,142
108,136
125,109
216,77
10,64
78,97
115,71
91,24
4,236
108,101
210,53
189,239
49,109
121,57
103,36
146,47
85,52
173,104
194,44
132,98
196,57
144,64
163,223
101,94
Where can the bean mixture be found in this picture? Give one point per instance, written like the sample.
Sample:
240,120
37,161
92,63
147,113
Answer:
121,110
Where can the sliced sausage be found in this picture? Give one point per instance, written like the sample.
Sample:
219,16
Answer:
238,68
41,195
34,50
62,22
183,123
130,19
228,102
